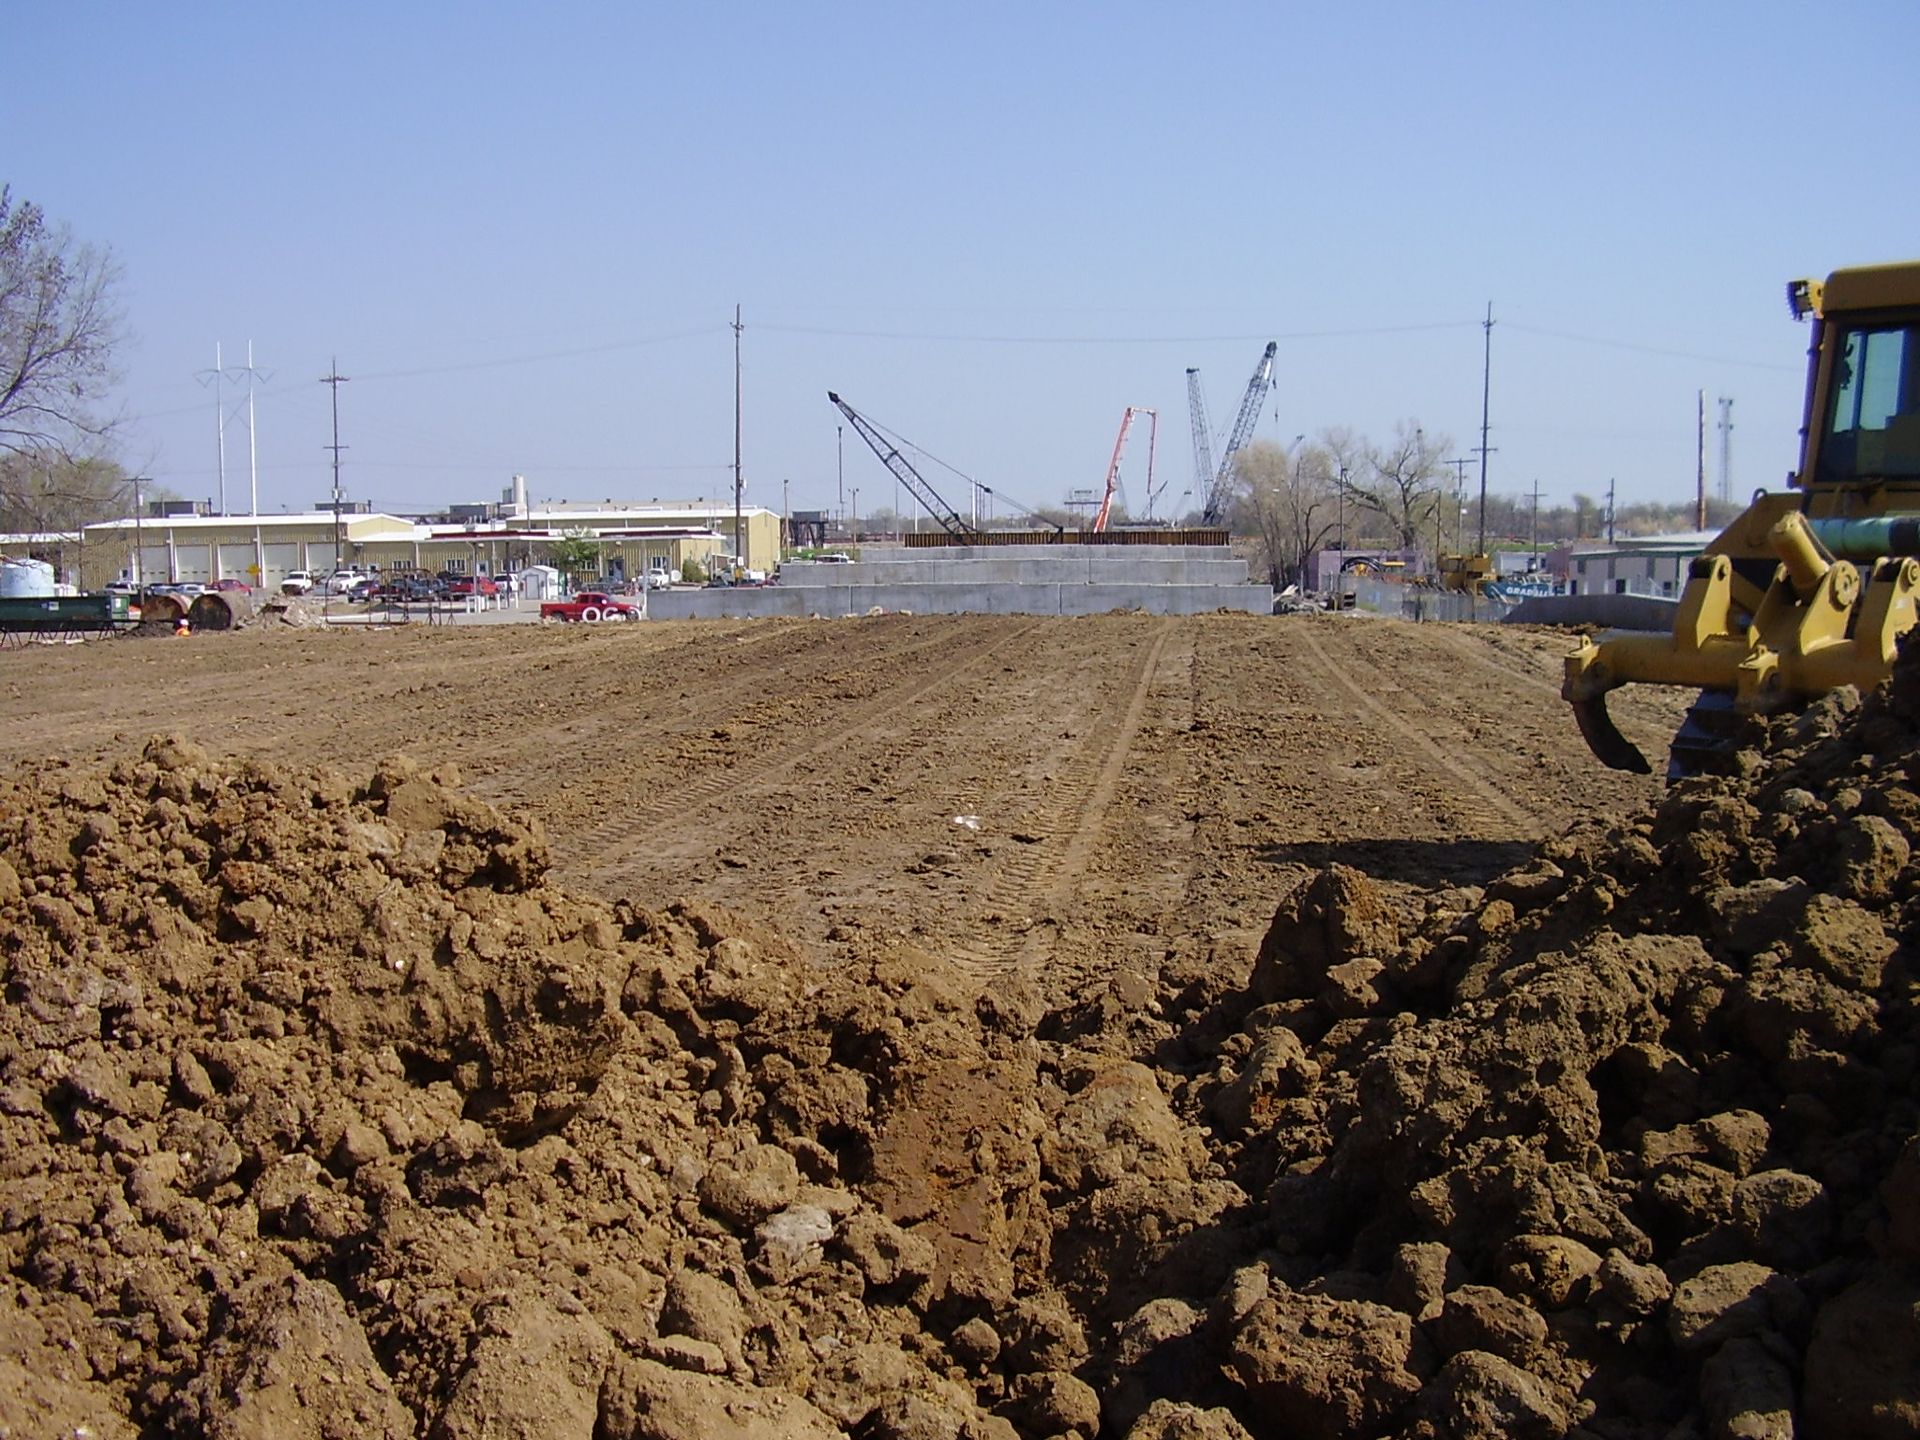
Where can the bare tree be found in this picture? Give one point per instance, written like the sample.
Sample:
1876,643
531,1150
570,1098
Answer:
58,329
1404,487
1290,501
46,492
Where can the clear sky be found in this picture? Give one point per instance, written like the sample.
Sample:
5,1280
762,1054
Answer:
522,230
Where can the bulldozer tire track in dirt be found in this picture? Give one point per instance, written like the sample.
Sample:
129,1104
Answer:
1473,792
766,773
1057,839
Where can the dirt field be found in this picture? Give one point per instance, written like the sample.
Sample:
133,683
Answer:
1137,782
945,1029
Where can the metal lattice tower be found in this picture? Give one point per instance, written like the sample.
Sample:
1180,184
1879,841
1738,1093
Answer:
1262,381
1202,436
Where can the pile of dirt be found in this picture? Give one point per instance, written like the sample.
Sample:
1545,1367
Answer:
322,1112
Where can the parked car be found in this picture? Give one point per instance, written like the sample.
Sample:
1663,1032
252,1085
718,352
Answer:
341,582
230,583
362,591
298,582
409,589
589,606
462,585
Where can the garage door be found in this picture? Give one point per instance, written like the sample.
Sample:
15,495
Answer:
280,559
236,563
193,562
153,565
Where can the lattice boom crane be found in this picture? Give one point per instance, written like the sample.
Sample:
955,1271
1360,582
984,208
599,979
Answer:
1215,509
903,471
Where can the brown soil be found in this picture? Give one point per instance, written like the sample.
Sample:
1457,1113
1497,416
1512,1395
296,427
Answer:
939,1027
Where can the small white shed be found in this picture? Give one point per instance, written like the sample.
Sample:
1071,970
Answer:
540,582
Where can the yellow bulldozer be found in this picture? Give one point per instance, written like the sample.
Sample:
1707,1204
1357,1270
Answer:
1466,574
1811,588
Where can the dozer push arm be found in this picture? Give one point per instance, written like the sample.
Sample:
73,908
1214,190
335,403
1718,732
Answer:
1816,628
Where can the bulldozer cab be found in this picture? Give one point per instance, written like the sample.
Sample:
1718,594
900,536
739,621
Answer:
1866,383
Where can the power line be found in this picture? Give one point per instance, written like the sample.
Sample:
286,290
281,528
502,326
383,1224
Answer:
1118,339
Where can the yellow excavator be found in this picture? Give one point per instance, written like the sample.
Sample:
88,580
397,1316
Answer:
1811,588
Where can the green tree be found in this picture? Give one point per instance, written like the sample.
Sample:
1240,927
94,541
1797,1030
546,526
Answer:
576,552
692,571
59,325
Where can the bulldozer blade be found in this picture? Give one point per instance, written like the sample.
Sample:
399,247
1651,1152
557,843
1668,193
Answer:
1603,737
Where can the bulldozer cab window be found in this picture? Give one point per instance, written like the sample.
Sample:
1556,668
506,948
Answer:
1873,420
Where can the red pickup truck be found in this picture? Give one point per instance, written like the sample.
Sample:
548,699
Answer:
590,605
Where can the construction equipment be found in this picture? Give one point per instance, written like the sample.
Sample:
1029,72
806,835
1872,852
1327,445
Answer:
1466,574
904,472
1811,588
1202,437
1113,469
1219,491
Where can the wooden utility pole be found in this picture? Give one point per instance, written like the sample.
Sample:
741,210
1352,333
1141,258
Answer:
336,380
739,554
1486,392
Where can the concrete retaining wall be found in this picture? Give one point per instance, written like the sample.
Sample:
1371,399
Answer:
1024,567
950,599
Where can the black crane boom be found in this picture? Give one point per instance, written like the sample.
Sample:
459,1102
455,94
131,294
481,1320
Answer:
904,472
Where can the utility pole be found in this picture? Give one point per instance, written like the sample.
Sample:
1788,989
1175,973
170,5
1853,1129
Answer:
253,454
219,420
336,380
1533,534
139,561
1343,517
1700,472
739,556
1460,501
1486,392
1609,510
1726,448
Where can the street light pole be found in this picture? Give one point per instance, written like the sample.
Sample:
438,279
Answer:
139,566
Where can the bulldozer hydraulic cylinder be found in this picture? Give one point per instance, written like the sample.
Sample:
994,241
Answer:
1869,539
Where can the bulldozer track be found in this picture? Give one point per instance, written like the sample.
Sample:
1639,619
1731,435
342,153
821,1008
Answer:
1475,651
1473,792
765,775
1061,834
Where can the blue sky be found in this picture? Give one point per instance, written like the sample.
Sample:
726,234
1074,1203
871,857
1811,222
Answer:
523,231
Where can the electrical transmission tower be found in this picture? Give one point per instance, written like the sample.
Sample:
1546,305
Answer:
216,377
